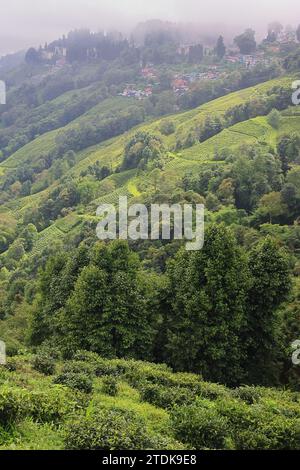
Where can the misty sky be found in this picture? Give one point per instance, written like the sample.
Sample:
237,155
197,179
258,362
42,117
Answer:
24,23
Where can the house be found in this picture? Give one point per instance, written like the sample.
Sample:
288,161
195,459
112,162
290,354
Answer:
148,73
148,91
286,37
47,55
234,59
131,92
60,51
180,85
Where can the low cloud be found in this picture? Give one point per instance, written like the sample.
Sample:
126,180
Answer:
29,22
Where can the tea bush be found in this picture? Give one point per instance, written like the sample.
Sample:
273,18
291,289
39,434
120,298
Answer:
79,367
200,427
110,386
166,397
12,404
82,382
108,430
44,364
248,394
52,405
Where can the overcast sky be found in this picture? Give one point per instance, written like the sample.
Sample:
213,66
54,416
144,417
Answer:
29,22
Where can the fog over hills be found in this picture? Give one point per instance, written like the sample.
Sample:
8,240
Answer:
30,22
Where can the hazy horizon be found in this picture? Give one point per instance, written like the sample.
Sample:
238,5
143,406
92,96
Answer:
26,23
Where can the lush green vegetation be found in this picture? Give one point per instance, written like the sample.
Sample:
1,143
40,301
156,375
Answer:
87,323
89,402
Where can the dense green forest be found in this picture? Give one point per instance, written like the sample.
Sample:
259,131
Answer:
184,350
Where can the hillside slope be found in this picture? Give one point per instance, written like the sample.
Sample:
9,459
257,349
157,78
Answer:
85,403
110,152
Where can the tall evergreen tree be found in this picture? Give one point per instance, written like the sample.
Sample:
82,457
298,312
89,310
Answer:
208,293
220,49
108,310
270,287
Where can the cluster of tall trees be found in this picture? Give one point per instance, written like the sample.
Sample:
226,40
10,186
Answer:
262,182
212,311
143,149
246,42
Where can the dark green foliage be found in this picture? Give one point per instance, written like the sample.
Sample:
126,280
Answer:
289,148
208,304
201,427
108,430
32,56
253,427
44,363
255,175
95,132
11,365
211,127
292,61
289,329
196,54
141,150
274,118
189,414
12,403
246,42
50,406
110,386
76,381
271,284
166,397
79,367
249,395
56,284
167,127
220,49
107,310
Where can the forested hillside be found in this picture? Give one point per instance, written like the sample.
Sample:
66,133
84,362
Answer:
79,316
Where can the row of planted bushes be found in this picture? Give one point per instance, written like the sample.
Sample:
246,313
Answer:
202,415
207,415
43,406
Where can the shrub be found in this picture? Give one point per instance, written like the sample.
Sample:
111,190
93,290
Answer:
159,442
167,127
86,356
79,367
108,430
255,427
200,427
274,118
248,394
114,367
81,382
270,433
141,374
238,414
11,365
166,397
51,405
110,386
212,391
44,364
12,404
